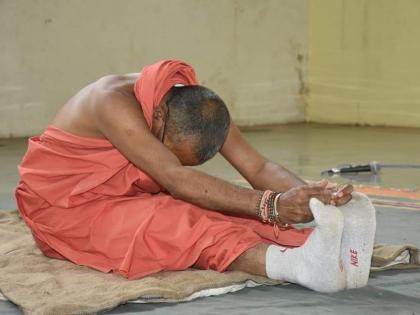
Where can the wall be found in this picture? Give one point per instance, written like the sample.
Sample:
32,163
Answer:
364,65
250,52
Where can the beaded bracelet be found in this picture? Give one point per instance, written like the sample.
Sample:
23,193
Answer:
262,205
258,206
285,225
266,208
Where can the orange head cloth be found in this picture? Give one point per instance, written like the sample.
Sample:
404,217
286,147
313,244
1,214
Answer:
157,79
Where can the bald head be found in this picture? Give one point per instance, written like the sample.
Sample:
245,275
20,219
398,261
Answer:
197,123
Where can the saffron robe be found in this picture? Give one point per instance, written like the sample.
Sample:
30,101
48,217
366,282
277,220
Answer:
85,202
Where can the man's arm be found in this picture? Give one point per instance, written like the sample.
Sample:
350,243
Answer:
258,171
123,124
264,174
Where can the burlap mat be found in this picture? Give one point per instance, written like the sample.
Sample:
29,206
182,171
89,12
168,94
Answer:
386,257
39,285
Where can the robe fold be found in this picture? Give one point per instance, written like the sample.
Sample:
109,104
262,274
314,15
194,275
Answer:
85,202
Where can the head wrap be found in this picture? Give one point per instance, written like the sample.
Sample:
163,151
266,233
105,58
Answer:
157,79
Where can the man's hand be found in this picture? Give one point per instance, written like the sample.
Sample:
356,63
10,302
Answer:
341,194
293,205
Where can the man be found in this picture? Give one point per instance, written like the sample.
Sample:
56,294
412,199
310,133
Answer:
106,186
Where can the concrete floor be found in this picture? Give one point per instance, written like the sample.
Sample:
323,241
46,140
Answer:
307,150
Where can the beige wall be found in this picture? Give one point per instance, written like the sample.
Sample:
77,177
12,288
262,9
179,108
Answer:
364,65
250,52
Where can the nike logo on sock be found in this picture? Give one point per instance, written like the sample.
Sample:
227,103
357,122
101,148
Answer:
354,260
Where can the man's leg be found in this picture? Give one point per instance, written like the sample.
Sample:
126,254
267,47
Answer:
252,260
315,265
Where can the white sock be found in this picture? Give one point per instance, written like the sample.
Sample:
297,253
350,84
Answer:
358,238
316,264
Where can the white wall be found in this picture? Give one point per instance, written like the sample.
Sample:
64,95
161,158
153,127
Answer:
364,65
247,51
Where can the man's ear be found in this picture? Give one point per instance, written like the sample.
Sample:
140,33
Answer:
160,112
159,119
157,114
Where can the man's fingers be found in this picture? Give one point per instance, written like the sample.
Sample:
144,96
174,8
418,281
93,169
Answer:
346,189
322,183
332,185
315,188
324,196
343,191
342,201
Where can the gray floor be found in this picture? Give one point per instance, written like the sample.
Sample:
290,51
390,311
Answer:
306,149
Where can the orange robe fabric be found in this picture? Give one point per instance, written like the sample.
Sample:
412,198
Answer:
85,202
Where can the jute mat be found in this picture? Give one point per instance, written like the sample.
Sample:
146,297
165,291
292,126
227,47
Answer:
39,285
